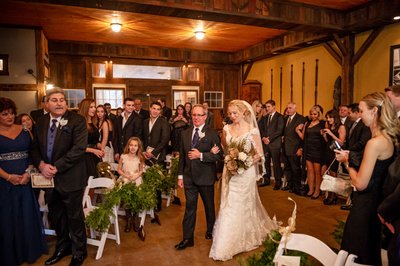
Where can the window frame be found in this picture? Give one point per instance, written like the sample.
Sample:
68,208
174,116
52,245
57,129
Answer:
210,105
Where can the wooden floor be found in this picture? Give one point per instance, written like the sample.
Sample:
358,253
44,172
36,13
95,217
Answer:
313,218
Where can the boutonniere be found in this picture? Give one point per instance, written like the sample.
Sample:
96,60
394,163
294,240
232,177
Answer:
63,122
201,135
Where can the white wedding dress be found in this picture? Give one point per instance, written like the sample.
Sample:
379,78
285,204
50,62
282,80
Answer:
243,223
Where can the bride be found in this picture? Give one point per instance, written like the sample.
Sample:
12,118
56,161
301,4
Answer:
242,223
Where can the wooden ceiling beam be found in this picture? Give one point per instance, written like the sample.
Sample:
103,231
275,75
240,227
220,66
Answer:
364,47
272,13
333,53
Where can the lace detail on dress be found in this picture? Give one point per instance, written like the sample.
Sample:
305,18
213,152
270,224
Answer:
11,156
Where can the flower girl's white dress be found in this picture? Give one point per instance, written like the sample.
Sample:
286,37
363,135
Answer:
242,223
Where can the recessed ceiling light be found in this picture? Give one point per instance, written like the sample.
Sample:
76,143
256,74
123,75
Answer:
199,34
116,27
396,18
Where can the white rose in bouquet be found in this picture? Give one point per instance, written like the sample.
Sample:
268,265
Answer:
242,156
240,170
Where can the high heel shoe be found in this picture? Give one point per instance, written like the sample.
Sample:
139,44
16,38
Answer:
317,196
309,195
331,199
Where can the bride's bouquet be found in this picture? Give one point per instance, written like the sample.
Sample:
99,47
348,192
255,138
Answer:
239,157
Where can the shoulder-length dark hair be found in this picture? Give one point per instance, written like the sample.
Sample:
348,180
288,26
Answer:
336,118
7,104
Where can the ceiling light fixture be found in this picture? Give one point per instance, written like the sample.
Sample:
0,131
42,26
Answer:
116,27
396,18
199,34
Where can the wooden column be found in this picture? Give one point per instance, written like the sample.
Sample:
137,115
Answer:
348,71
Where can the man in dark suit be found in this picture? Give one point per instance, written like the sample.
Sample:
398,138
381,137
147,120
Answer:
58,152
129,124
197,173
157,132
111,116
144,114
37,114
210,116
292,145
357,137
271,129
344,116
166,111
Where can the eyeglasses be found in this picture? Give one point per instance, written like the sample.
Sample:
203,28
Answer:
197,115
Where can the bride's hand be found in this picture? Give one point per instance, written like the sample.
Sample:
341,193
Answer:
215,149
256,158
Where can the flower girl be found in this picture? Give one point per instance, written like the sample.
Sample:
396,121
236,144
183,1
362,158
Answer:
130,169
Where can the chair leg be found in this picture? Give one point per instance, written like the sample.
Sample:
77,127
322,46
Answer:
102,243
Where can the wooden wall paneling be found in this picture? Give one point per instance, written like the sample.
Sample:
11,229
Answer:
250,91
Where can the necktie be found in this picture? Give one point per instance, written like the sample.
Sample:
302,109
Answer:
269,119
195,137
51,135
352,128
288,121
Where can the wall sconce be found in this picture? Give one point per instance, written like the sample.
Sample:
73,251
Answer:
116,26
47,81
199,34
396,18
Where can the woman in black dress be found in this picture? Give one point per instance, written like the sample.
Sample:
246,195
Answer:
336,131
314,148
179,121
105,127
362,232
93,155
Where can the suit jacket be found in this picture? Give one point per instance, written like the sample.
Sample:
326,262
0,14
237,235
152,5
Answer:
113,119
200,173
167,112
68,151
210,119
144,114
273,130
359,137
133,128
347,123
291,141
158,138
37,114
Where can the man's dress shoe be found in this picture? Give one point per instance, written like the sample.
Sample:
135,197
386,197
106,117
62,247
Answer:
277,187
346,207
184,244
57,256
265,182
208,235
286,188
77,260
156,219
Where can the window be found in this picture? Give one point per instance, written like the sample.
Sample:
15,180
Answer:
147,72
98,70
215,99
4,64
74,97
193,74
109,93
184,94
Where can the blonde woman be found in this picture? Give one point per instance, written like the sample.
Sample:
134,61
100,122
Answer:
362,232
257,109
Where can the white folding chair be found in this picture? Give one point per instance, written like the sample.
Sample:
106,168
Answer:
350,261
309,245
95,183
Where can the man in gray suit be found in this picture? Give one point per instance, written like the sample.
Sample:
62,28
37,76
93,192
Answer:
210,116
197,173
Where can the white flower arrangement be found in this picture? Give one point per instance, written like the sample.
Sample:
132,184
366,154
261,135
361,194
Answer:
239,157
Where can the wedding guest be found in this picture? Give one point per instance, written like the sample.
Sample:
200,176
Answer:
197,174
314,147
105,127
112,117
344,116
179,122
257,108
271,129
188,109
119,111
27,123
336,131
144,114
242,223
210,116
166,111
362,232
22,238
58,152
93,155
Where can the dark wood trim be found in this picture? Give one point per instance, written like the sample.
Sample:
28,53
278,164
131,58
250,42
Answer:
247,72
333,53
339,44
366,44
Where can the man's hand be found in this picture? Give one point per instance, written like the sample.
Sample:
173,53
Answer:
388,225
47,170
265,140
180,183
299,152
116,157
148,155
194,154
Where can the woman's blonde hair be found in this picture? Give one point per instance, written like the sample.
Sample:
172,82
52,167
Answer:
83,110
317,109
139,152
386,117
242,108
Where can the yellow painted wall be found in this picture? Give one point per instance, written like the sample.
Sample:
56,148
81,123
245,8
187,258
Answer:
371,73
328,71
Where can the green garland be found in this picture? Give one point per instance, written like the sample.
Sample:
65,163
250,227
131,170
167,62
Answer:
338,232
135,198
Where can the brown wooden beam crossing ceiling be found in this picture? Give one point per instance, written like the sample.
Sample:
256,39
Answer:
237,31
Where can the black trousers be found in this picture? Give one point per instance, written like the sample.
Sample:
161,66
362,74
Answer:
275,156
192,192
67,218
292,171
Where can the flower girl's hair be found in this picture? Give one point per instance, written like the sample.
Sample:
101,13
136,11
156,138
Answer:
139,152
